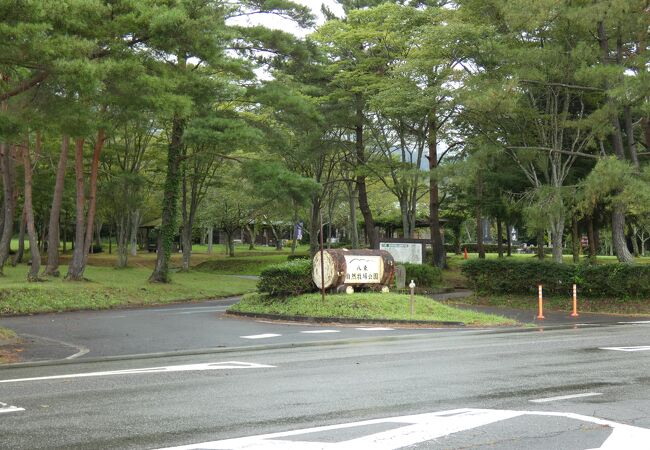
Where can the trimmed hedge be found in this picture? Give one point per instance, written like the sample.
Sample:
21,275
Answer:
423,275
506,276
290,278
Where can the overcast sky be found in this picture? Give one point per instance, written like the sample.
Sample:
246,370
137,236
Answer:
287,25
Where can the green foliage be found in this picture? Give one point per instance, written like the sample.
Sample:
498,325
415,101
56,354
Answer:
510,276
423,275
290,278
504,276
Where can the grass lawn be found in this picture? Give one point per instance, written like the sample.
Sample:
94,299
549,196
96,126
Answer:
559,303
365,306
110,288
241,265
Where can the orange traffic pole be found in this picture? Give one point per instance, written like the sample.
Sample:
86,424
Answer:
540,299
575,301
465,255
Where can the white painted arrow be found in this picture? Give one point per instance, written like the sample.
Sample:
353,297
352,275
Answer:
412,430
182,368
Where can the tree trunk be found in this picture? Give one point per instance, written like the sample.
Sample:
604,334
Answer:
618,234
29,213
168,227
557,237
122,240
76,262
499,237
53,234
135,226
457,238
575,240
210,239
591,236
354,226
8,167
509,237
439,255
633,232
369,222
540,244
479,217
314,227
186,229
629,131
18,256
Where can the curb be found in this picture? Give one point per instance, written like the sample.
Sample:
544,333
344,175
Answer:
309,319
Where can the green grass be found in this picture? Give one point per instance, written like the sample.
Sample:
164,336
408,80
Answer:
365,306
241,265
110,288
562,303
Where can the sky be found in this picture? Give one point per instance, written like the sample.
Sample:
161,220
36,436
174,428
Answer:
287,25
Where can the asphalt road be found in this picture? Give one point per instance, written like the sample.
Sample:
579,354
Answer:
435,390
173,328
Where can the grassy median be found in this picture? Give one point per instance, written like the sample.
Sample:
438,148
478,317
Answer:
365,306
110,288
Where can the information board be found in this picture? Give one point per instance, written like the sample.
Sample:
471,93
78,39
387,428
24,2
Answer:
403,252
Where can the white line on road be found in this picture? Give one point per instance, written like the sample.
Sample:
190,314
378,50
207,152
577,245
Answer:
375,329
81,350
199,312
4,408
407,431
320,331
182,368
638,322
565,397
639,348
260,336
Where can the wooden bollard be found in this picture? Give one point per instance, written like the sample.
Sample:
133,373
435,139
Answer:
540,300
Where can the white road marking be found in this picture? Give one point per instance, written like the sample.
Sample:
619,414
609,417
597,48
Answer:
4,408
416,429
260,336
638,321
375,329
81,350
200,312
182,368
565,397
320,331
639,348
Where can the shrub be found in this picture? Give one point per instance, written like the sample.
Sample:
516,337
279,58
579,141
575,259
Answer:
614,280
423,275
290,278
507,276
297,256
504,276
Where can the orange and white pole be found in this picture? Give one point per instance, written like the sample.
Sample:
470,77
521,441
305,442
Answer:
575,301
540,300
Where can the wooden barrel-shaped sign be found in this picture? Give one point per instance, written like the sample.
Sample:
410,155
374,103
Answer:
354,267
